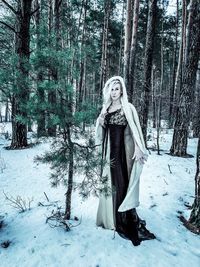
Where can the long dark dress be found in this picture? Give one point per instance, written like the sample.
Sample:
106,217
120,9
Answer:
127,223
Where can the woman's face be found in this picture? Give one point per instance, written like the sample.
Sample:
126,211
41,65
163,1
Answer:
115,92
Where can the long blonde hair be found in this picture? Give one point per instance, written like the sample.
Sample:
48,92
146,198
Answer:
107,90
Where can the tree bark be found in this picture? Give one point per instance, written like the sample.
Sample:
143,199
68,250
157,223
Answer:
54,23
196,118
21,95
183,116
70,176
82,62
133,50
127,40
179,71
148,65
41,131
195,213
119,72
104,59
172,87
6,111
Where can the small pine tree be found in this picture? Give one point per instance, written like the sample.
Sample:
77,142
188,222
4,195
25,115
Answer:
75,153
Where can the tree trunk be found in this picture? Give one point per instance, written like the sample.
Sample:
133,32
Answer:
161,79
179,71
153,85
21,95
6,111
119,72
195,213
148,65
54,23
41,131
171,103
133,50
196,118
104,60
183,116
82,63
70,177
127,40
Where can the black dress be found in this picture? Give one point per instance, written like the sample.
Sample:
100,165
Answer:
127,223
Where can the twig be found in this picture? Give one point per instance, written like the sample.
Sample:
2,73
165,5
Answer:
46,196
18,202
165,181
169,168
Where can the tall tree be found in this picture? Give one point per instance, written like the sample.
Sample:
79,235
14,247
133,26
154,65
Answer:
127,40
195,213
196,117
179,71
104,59
21,94
148,65
172,87
183,115
133,49
41,130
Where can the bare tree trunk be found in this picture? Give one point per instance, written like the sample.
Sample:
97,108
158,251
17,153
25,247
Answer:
159,99
41,131
172,87
196,118
82,63
127,40
153,85
21,96
6,111
1,119
133,50
183,116
119,72
54,23
148,65
104,60
178,80
70,177
161,78
195,213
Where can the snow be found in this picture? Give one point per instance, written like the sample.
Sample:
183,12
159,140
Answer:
35,244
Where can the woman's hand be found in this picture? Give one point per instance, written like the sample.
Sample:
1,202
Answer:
139,155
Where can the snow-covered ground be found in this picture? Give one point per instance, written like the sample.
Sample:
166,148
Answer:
35,244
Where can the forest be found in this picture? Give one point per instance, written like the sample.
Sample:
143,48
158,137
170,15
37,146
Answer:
55,58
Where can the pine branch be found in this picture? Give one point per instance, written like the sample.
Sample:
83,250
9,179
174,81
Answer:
87,147
10,7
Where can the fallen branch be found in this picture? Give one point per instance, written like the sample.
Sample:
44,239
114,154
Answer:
57,219
189,226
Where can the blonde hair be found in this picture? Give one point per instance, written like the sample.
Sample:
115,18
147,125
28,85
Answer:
107,90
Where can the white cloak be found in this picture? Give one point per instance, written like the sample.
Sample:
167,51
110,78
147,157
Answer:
132,134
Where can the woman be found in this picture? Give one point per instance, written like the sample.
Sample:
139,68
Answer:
119,133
